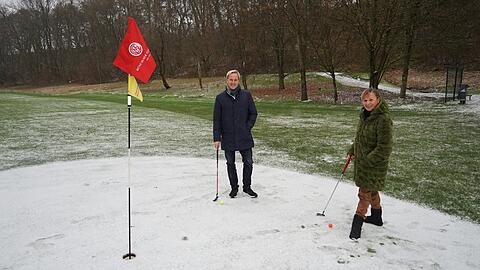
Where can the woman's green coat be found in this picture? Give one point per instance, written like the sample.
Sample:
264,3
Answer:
372,148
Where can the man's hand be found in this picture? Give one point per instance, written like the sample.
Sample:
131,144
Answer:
216,145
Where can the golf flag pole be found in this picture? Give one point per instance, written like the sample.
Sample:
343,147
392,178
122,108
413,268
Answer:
129,255
135,59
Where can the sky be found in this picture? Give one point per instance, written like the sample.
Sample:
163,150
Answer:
7,1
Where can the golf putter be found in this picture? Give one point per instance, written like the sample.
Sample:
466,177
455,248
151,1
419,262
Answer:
341,177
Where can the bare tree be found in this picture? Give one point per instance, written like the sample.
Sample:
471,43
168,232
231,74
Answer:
451,33
49,41
377,22
411,19
297,14
203,26
39,14
329,40
271,12
6,45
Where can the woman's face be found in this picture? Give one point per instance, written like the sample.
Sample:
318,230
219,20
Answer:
370,101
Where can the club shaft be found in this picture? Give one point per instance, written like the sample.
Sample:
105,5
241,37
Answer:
331,195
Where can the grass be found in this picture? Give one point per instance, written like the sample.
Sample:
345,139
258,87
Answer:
434,162
267,80
473,90
362,75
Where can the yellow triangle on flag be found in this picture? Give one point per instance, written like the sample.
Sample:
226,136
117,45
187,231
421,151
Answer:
133,89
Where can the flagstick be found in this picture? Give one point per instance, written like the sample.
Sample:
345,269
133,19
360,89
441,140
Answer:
130,254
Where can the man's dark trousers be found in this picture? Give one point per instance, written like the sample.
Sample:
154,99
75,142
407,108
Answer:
247,168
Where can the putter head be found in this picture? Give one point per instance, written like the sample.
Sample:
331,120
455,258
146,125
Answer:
321,214
216,198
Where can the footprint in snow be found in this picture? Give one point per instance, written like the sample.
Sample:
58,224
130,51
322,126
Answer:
46,242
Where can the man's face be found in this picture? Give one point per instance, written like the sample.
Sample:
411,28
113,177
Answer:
370,101
233,81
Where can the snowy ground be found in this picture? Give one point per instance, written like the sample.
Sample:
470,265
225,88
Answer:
73,215
471,106
346,80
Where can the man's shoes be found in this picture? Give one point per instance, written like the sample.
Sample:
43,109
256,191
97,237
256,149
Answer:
233,192
250,192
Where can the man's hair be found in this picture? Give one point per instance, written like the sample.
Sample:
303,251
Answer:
368,91
230,72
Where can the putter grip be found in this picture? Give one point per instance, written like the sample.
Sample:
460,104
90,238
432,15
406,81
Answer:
346,164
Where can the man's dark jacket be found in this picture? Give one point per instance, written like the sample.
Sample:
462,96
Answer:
233,119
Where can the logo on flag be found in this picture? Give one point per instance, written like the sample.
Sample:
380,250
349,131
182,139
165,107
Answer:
135,49
134,57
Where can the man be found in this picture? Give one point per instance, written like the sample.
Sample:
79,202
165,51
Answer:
234,116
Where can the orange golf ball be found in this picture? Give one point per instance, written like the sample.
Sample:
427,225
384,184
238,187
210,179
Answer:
330,225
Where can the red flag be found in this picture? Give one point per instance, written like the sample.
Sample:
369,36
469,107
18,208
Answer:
134,57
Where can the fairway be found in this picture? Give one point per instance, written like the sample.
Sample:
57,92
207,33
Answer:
434,160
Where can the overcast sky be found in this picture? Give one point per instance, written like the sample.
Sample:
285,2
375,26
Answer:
7,1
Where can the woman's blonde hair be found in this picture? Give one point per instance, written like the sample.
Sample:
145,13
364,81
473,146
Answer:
368,91
230,72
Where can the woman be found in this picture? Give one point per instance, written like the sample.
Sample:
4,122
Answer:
371,151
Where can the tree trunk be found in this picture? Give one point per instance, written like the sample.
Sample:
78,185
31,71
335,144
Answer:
373,73
199,73
406,64
244,76
280,68
334,82
244,66
97,62
303,71
164,81
407,52
161,68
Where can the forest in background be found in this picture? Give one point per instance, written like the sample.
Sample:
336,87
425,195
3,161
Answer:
51,42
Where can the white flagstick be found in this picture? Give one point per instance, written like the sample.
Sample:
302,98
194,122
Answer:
129,104
130,255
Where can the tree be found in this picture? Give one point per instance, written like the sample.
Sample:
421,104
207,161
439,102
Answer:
451,33
329,41
276,29
106,23
409,24
297,13
377,23
50,41
159,22
201,39
6,46
68,38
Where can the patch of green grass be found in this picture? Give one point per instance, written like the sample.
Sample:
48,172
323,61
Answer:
473,91
271,80
362,75
434,161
